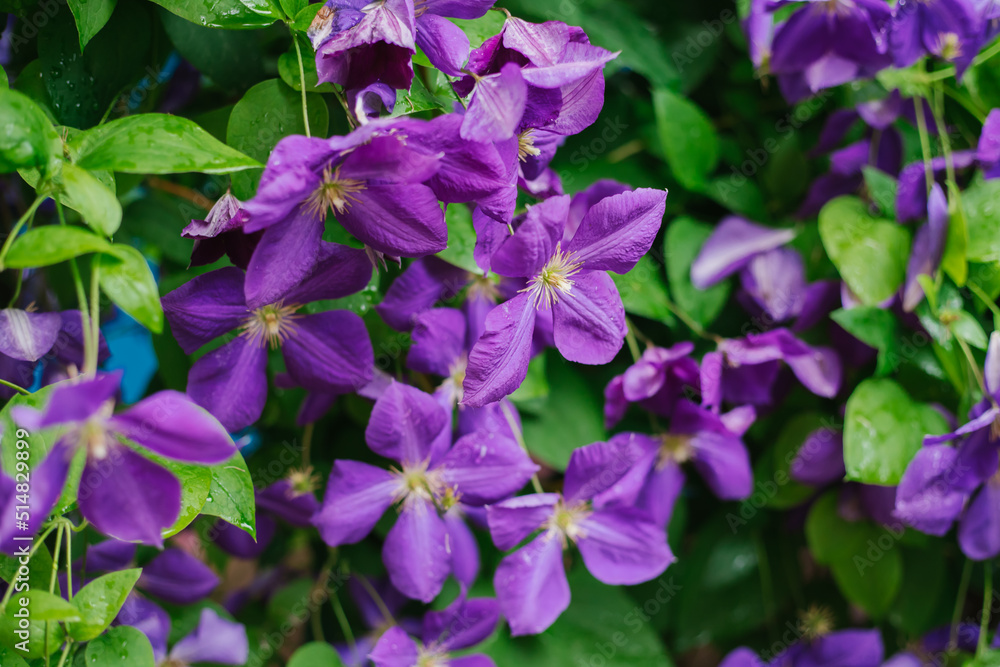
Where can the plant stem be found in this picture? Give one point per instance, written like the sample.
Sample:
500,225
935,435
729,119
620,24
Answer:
942,128
81,295
984,622
376,598
963,588
302,84
91,354
11,385
535,484
691,324
345,627
633,344
925,142
24,219
307,436
987,301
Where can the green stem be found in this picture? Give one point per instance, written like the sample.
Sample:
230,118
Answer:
81,295
633,344
90,363
11,385
307,436
987,301
52,582
69,561
345,627
691,324
956,616
339,94
925,142
302,84
984,622
966,103
65,653
942,128
376,598
535,484
973,365
987,54
24,219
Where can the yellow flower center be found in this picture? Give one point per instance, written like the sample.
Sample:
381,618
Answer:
303,481
816,621
675,448
565,522
271,325
553,280
949,46
334,193
526,145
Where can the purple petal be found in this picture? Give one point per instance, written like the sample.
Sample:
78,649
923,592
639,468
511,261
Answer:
989,141
215,640
231,383
399,219
110,555
330,352
589,319
577,62
443,42
125,479
991,369
621,547
438,341
339,271
405,423
820,459
595,468
486,467
584,200
498,362
150,619
534,242
282,500
70,402
206,307
732,245
292,174
357,496
979,528
463,548
462,624
497,105
177,577
618,230
395,648
801,40
47,481
531,586
776,280
724,464
237,542
424,282
28,336
416,551
511,521
284,258
660,492
928,498
928,247
170,424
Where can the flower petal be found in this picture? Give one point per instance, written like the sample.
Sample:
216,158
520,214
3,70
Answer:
47,481
284,258
416,551
589,319
443,42
486,467
513,520
398,219
438,341
231,383
498,362
357,496
462,624
214,639
421,285
71,401
177,577
732,245
531,586
206,307
979,528
405,423
395,648
330,352
618,230
621,547
339,271
463,548
497,105
27,336
534,241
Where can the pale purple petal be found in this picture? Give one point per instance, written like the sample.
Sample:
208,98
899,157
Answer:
620,546
443,42
497,104
589,319
595,468
416,551
515,519
215,640
150,619
395,648
498,363
357,495
463,548
618,230
486,467
820,459
928,498
731,246
531,586
928,247
979,527
177,577
405,423
27,336
71,401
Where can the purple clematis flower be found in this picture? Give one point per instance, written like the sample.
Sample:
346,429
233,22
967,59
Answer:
988,152
657,382
214,640
413,429
443,42
533,77
325,351
928,248
911,194
569,280
177,577
827,43
620,544
371,180
943,484
712,443
221,233
359,43
744,370
462,624
855,647
948,29
167,423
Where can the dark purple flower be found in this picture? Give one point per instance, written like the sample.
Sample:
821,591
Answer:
928,248
827,43
657,381
325,351
177,577
115,476
462,624
857,648
820,459
221,233
214,640
569,280
359,43
620,544
948,29
443,42
911,194
372,182
412,428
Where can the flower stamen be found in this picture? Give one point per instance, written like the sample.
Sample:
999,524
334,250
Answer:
271,325
554,279
526,145
334,193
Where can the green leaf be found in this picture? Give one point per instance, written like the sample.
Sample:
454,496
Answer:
27,138
120,645
90,15
982,218
44,246
233,59
196,485
953,261
100,601
549,435
315,654
156,143
45,606
602,619
128,281
461,238
682,242
870,253
230,496
644,291
875,327
883,429
229,14
92,199
688,138
8,657
39,570
37,641
268,112
288,68
865,558
305,16
965,327
882,190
